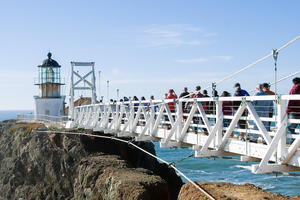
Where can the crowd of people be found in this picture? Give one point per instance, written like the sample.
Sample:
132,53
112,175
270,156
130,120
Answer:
264,108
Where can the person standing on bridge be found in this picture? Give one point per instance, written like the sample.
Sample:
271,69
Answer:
197,120
171,105
226,108
266,89
144,99
136,104
293,108
125,99
146,104
155,107
262,108
171,95
185,94
240,92
198,92
207,104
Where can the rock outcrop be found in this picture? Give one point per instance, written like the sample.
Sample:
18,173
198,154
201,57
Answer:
56,166
229,191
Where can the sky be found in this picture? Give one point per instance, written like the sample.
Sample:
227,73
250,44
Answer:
146,47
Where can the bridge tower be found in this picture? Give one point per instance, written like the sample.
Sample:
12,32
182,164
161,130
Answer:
49,101
81,83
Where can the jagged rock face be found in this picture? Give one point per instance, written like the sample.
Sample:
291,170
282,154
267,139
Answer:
55,166
37,165
116,181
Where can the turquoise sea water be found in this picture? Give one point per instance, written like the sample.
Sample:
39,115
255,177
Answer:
210,170
229,170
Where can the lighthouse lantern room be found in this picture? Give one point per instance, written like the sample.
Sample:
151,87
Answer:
49,102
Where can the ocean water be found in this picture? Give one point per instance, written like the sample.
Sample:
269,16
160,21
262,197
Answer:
12,114
211,170
229,170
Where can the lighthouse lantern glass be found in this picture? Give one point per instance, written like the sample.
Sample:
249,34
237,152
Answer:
49,75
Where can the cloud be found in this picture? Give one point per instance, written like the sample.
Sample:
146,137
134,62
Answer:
175,35
193,60
205,59
162,34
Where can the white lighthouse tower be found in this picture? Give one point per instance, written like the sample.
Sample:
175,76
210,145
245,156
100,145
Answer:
49,102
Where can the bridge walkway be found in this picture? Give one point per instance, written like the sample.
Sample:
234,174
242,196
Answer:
212,127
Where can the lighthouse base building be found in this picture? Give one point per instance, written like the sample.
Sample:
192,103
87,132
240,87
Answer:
49,106
49,103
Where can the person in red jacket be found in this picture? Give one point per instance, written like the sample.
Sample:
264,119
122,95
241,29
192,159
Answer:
227,108
172,95
293,108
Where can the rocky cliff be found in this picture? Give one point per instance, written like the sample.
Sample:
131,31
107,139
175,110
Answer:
56,166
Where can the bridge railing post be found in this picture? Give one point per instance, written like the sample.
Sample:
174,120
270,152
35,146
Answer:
131,116
281,112
116,116
219,114
152,115
179,115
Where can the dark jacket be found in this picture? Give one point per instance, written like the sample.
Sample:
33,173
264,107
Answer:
294,105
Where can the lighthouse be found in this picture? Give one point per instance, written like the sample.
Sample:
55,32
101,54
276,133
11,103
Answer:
49,102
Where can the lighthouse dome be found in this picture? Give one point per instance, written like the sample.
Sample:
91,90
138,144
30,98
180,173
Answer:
49,62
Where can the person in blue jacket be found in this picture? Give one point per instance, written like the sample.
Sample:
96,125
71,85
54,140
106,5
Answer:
262,108
239,91
242,124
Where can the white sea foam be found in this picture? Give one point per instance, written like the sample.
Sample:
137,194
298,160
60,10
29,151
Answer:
200,171
242,167
268,187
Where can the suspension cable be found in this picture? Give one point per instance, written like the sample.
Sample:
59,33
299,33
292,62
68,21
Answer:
256,62
282,79
183,159
139,148
286,77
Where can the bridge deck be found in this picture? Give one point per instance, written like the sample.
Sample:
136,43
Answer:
206,126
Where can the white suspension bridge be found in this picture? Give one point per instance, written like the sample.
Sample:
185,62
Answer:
153,121
205,126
